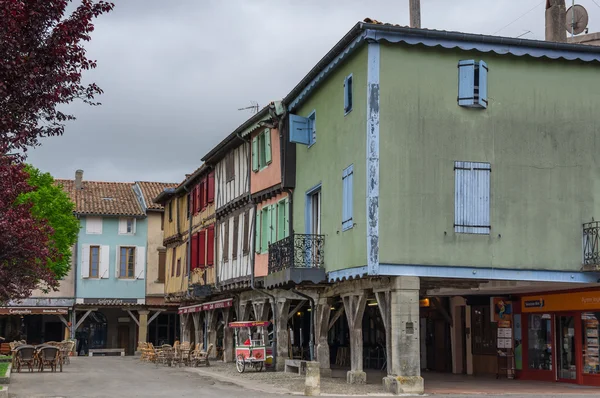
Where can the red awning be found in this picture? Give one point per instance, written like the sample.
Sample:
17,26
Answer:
206,306
248,324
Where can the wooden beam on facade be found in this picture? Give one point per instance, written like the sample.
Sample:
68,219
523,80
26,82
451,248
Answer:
153,317
336,316
133,316
296,308
80,321
63,320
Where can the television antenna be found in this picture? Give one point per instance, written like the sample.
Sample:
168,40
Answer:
577,19
253,107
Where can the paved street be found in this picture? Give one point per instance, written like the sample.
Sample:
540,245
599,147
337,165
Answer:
128,377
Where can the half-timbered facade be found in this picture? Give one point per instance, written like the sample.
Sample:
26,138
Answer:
234,210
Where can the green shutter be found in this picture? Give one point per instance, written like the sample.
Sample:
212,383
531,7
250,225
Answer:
267,134
286,223
255,154
257,240
280,220
265,233
273,224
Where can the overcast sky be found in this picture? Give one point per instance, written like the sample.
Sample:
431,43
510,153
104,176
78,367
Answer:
175,72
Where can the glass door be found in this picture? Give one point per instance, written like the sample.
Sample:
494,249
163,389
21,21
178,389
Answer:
565,348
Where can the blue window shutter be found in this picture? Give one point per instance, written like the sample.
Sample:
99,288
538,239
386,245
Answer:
299,130
472,197
466,83
347,198
346,96
483,72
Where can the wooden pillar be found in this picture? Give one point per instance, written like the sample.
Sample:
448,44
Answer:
228,346
322,315
261,312
198,334
211,322
282,310
354,306
383,302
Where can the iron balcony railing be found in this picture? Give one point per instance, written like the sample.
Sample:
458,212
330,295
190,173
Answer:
591,245
297,251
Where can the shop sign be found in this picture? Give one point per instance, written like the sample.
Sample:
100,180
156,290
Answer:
107,301
572,301
33,311
206,306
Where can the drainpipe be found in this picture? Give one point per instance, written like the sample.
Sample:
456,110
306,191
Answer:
75,262
252,246
311,342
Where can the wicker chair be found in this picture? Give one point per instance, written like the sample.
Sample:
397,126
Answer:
202,356
25,355
50,356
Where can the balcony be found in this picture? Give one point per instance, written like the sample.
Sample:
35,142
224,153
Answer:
296,259
591,249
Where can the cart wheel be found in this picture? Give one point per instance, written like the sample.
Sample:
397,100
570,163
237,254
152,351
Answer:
240,363
258,366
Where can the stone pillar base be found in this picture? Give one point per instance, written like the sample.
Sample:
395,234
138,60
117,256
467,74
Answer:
312,383
404,384
356,377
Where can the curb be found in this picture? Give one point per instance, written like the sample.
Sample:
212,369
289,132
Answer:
241,383
4,391
5,378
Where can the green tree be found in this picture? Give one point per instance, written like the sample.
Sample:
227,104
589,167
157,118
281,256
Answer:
50,203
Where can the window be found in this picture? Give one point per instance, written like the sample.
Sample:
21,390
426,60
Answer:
162,262
226,241
173,255
171,211
94,261
194,255
127,262
236,236
472,84
312,128
202,248
246,243
348,94
590,329
261,150
539,335
187,250
93,225
230,166
210,246
179,267
472,197
211,187
127,226
347,198
483,331
282,219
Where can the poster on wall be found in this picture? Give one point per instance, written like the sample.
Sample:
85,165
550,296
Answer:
502,310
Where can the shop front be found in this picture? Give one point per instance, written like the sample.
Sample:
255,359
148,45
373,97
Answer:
560,337
34,324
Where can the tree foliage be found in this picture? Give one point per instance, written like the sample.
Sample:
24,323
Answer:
41,62
51,205
24,239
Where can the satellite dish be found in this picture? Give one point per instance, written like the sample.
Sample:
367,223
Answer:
577,19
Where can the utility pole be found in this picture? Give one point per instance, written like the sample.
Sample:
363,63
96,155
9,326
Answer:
415,13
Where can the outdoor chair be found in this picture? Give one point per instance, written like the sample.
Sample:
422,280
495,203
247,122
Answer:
50,356
25,355
202,357
65,351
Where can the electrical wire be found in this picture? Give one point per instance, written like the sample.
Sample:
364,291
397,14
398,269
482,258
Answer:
597,5
527,12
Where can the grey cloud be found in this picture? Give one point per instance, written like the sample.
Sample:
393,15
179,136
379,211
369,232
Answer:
174,73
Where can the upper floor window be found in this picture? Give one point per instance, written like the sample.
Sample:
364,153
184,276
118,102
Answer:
171,211
472,197
472,84
347,198
162,262
204,193
94,261
93,225
229,166
261,150
127,226
348,94
127,262
272,224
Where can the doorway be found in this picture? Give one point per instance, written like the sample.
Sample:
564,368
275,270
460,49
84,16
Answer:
53,331
123,337
566,358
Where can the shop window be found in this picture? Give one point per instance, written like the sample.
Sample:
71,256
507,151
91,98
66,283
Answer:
483,331
539,337
590,330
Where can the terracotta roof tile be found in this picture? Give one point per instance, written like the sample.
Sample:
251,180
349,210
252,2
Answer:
151,190
103,198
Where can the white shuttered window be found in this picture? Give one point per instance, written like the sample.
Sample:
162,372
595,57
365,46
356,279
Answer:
472,197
